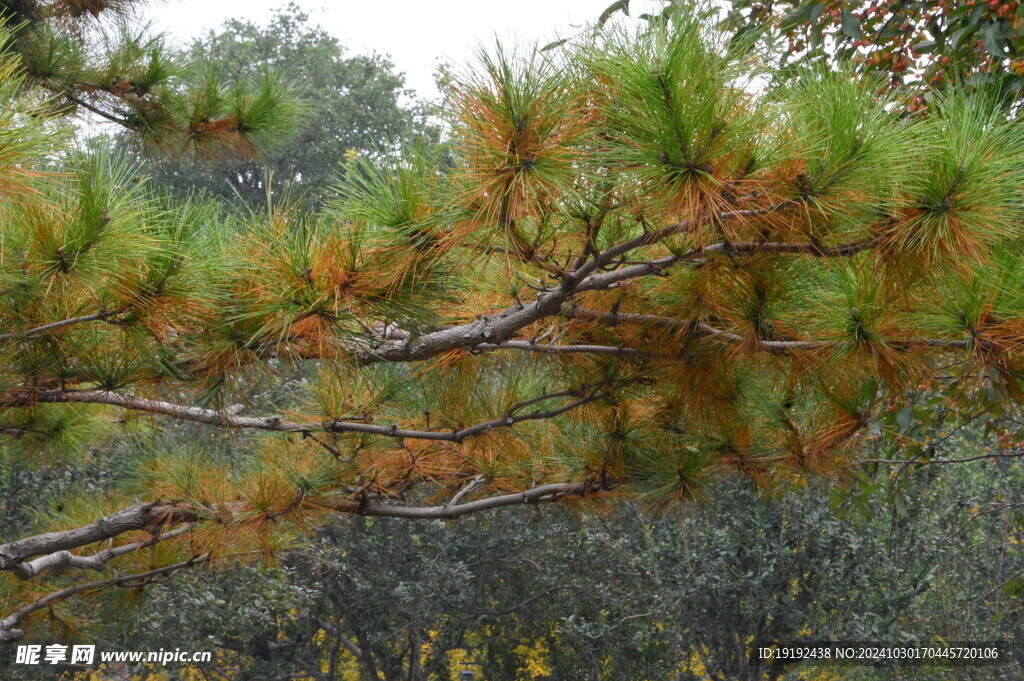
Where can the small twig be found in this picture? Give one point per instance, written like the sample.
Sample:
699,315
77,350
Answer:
474,484
1012,454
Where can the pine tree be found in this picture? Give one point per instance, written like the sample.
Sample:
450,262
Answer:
639,274
354,105
92,58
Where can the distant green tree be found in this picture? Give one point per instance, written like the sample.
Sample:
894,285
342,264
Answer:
357,104
95,57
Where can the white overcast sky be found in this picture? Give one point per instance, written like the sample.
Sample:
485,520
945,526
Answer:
415,33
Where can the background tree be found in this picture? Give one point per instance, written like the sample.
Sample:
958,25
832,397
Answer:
356,105
92,57
921,47
638,277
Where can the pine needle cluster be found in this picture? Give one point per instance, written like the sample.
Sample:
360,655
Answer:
90,57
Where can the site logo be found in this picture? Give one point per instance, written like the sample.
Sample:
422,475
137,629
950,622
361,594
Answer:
55,654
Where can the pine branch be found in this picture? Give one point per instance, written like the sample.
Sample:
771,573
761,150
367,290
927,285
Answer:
551,349
608,280
97,561
228,418
128,519
474,484
144,516
611,254
17,432
540,494
703,330
140,516
920,461
54,326
493,330
113,118
9,634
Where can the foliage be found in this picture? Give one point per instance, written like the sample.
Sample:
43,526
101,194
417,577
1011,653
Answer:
355,105
920,48
91,57
923,46
625,595
635,276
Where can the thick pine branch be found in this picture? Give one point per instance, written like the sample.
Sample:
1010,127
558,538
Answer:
229,418
9,632
97,561
492,331
140,516
152,516
168,521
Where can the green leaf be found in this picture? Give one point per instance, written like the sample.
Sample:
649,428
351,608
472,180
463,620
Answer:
905,418
617,6
851,25
1013,587
800,16
961,35
555,44
993,38
925,46
891,30
816,11
655,19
